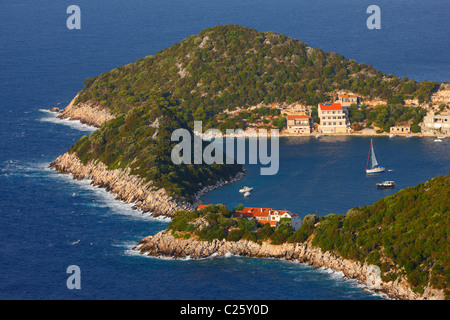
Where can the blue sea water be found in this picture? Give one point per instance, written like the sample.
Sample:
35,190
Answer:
49,221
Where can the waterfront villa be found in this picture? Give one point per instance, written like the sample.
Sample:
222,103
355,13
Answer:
333,118
299,123
400,130
270,216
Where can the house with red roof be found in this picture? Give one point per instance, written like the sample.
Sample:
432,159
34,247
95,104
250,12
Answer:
299,123
270,216
333,118
346,100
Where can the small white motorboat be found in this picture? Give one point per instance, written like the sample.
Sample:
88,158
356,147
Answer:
245,189
386,185
437,140
247,194
318,136
392,135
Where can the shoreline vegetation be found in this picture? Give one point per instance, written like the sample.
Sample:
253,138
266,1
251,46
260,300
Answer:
97,116
232,77
397,246
207,77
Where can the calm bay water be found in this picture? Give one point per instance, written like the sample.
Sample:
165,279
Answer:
327,175
49,221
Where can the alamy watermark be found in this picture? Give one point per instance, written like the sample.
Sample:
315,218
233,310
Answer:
224,152
74,280
74,20
374,21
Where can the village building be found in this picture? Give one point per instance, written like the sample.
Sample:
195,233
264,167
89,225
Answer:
436,124
400,130
346,100
270,216
299,123
333,118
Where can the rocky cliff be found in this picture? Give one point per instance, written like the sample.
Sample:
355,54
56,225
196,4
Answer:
166,245
89,114
130,188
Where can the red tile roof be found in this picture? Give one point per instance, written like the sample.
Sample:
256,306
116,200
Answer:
330,106
249,212
272,223
243,214
297,116
202,206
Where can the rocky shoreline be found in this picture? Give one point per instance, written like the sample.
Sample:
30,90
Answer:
88,114
127,187
164,244
131,188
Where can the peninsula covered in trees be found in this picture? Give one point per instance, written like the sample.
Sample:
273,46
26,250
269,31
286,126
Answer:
405,235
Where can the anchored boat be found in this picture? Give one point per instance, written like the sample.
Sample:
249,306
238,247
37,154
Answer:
372,165
245,189
386,185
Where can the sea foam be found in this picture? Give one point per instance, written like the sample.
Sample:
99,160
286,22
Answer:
73,124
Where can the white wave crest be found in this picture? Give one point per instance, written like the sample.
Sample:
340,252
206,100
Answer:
73,124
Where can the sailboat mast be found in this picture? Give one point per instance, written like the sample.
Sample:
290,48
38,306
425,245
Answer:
368,155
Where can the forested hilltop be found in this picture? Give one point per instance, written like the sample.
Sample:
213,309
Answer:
405,234
230,66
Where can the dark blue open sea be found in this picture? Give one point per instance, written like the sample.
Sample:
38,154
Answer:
49,221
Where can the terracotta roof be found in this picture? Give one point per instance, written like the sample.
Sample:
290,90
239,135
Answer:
243,214
297,116
330,106
202,206
249,212
272,223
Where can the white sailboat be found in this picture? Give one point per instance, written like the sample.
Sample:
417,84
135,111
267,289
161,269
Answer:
372,163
